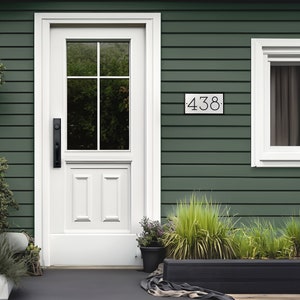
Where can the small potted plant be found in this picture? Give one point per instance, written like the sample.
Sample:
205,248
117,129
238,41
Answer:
150,243
32,257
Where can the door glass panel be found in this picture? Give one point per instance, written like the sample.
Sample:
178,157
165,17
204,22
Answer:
114,59
82,114
114,108
82,59
98,95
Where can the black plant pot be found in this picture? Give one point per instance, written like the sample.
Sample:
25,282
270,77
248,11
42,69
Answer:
152,257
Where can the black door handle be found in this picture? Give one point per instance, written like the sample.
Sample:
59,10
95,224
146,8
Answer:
56,143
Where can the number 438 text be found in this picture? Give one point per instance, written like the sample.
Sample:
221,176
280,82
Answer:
204,103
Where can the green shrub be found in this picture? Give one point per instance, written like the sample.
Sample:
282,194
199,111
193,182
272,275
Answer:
197,231
2,68
6,197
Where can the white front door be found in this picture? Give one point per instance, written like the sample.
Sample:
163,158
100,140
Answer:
96,115
97,80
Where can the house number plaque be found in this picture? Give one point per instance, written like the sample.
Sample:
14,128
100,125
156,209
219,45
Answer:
203,103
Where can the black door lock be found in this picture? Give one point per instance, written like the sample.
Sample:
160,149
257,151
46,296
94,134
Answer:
56,143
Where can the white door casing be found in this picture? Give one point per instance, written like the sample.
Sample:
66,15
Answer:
134,174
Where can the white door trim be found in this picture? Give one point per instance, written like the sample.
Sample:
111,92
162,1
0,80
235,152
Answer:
43,146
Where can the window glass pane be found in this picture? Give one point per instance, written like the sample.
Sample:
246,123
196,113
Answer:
114,114
81,59
82,114
114,59
285,105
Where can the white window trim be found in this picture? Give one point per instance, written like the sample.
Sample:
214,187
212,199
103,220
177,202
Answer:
152,24
263,53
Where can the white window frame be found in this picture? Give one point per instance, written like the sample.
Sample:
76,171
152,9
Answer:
263,53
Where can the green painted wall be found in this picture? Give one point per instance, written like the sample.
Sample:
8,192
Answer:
205,48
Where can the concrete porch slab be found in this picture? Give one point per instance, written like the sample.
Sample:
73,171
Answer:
95,284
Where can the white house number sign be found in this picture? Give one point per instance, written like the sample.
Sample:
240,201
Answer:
204,103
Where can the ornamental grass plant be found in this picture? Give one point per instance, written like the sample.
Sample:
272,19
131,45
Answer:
292,232
12,266
261,240
199,230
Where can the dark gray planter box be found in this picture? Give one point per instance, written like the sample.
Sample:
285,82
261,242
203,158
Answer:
237,276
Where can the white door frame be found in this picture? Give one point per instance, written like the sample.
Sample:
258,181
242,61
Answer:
43,145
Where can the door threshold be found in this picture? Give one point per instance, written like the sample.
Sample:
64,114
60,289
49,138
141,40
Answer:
94,267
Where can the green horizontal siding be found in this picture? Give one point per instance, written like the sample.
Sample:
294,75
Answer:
231,98
16,40
8,53
205,132
22,157
15,15
208,87
216,40
208,50
229,198
206,145
16,26
206,65
205,53
16,113
24,197
231,184
230,109
21,184
24,223
17,132
16,108
18,65
16,120
23,171
24,210
184,120
205,48
11,97
17,87
19,75
248,210
203,158
205,75
242,15
227,27
225,171
16,144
